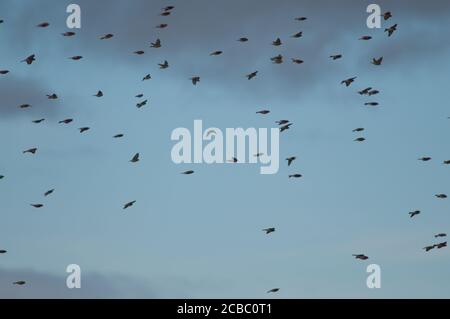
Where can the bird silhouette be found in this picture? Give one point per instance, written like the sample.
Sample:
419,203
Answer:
106,36
49,192
3,72
336,56
141,104
19,283
38,121
285,127
295,176
264,112
365,37
269,230
189,172
129,204
30,59
391,30
290,160
297,35
251,75
441,196
377,61
195,80
360,256
387,15
297,61
118,136
76,57
30,150
163,65
277,42
135,158
273,290
214,53
37,205
243,39
66,121
156,44
359,139
84,129
414,213
68,34
52,96
349,81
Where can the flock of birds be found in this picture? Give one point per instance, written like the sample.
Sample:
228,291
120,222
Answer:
283,124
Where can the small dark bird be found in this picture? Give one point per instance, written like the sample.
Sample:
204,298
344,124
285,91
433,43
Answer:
49,192
76,57
371,104
139,95
243,39
391,30
99,94
168,8
285,127
162,26
2,251
360,256
251,75
129,204
441,196
424,159
4,72
440,235
31,150
84,129
118,136
365,91
66,121
373,92
38,121
277,42
135,158
141,104
282,122
441,245
37,205
188,172
301,18
414,213
29,59
297,61
277,59
216,53
195,80
290,160
349,81
106,36
43,25
295,175
387,15
2,176
156,44
165,14
164,65
297,35
365,37
269,230
428,248
447,162
377,61
52,96
263,112
336,56
1,21
359,139
68,34
140,52
24,106
233,160
273,290
358,129
19,283
147,77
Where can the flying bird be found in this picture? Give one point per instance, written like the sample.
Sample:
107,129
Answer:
4,72
336,56
118,136
297,35
156,44
164,65
139,95
447,162
297,61
188,172
129,204
425,159
168,8
387,15
251,75
216,53
360,256
359,139
43,25
195,80
29,60
277,42
273,290
441,245
377,61
348,81
49,192
373,92
414,213
76,57
38,121
31,150
106,36
391,30
277,59
68,34
147,77
285,127
358,129
428,248
365,37
441,196
263,112
52,96
140,52
269,230
162,26
282,122
84,129
141,104
295,175
19,283
135,158
440,235
371,104
2,251
301,18
233,160
37,205
243,39
66,121
290,160
99,94
25,106
365,91
165,13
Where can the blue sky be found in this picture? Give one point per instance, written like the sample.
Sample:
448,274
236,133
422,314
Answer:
200,235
